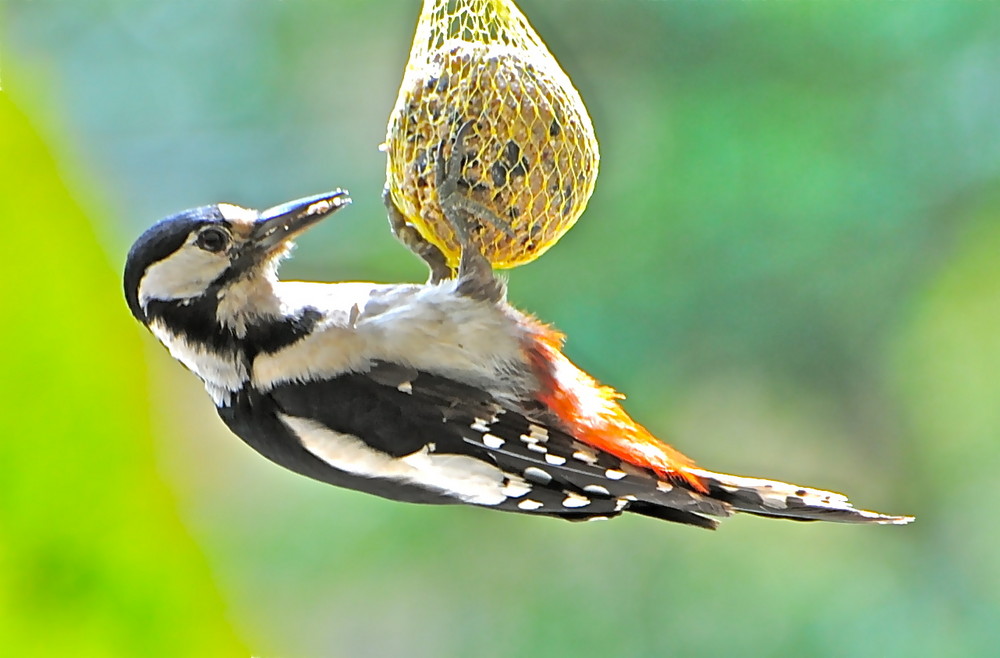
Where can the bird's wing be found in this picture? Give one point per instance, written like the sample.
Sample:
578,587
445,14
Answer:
426,430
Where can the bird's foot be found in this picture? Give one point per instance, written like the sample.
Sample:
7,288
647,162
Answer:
465,215
411,238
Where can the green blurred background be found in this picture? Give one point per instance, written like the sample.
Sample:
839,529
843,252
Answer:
791,263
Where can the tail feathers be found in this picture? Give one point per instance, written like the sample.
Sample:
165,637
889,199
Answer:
788,501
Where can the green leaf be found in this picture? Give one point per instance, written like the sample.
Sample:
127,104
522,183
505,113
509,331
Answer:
93,558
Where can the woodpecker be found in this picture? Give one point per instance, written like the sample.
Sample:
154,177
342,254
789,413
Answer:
440,392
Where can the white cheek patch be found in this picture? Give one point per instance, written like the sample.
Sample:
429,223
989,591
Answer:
466,478
183,274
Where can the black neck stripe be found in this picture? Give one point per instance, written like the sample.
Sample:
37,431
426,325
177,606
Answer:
196,320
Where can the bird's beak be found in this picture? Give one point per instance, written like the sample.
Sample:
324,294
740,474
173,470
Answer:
279,224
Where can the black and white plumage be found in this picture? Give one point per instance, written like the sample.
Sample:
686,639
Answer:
427,393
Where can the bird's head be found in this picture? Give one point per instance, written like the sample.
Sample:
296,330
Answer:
197,254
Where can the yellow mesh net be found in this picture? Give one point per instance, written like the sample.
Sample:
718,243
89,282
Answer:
530,154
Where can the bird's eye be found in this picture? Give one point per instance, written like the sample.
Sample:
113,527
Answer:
212,239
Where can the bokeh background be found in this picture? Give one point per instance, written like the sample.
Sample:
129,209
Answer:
791,263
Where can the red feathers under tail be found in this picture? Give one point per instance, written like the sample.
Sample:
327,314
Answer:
591,413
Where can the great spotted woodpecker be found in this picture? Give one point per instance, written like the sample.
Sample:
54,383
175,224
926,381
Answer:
431,393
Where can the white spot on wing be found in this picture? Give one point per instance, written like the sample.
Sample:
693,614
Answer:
480,425
614,474
538,475
492,441
406,387
529,504
538,432
597,489
555,460
575,500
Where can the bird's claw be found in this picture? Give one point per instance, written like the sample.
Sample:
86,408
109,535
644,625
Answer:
474,270
415,242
